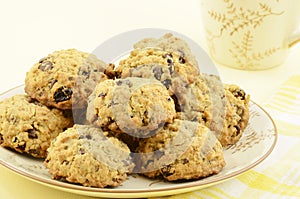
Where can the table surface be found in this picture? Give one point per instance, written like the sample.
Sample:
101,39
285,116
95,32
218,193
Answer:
32,29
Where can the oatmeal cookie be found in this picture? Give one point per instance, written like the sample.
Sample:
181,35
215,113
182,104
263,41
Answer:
221,107
169,42
137,106
237,114
28,126
65,78
85,155
170,68
183,150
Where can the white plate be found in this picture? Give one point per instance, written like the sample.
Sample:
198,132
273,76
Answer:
255,145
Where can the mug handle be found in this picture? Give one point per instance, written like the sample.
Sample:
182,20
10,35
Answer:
294,39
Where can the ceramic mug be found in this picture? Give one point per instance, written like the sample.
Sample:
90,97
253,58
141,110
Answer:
250,34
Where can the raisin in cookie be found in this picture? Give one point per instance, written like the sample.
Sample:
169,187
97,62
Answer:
28,126
65,78
169,42
137,106
183,150
85,155
166,66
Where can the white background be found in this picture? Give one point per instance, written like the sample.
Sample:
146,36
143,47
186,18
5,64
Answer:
32,29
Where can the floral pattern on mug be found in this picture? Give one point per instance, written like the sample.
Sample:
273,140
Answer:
239,20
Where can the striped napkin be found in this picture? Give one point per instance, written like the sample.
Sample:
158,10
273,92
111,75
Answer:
279,175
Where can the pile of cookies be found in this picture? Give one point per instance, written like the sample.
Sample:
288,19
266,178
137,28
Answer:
154,114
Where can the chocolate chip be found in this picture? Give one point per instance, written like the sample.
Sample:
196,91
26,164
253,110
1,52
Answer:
15,140
181,60
171,69
102,95
66,162
178,108
12,119
53,81
194,119
116,180
204,118
239,94
21,146
238,129
167,170
167,83
157,73
84,72
89,137
97,168
169,58
45,65
185,161
1,138
112,103
119,83
43,59
149,162
62,94
32,133
81,151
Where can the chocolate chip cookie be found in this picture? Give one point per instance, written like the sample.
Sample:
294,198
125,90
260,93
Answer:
85,155
28,126
65,78
169,42
183,150
136,106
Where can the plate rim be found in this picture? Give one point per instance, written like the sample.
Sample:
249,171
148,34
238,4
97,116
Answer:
104,192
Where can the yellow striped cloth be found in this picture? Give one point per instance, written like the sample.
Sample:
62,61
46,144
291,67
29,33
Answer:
279,175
